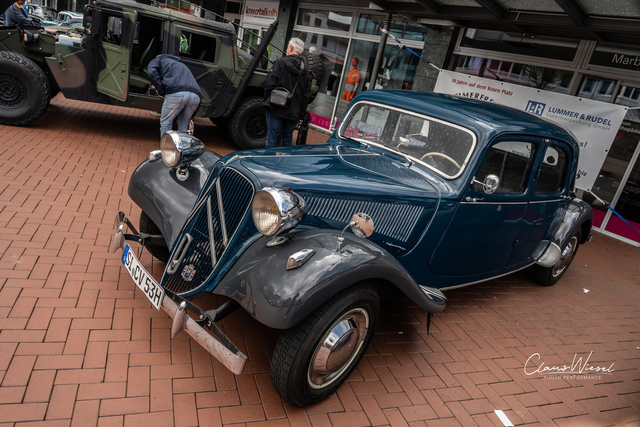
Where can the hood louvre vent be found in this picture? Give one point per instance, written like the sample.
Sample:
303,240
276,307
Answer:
236,194
393,220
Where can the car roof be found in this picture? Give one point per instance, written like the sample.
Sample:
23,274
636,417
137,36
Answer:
485,119
169,14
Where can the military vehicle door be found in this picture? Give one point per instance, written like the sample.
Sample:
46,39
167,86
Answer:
210,58
116,35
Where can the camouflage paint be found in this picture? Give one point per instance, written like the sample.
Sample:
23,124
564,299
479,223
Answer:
101,72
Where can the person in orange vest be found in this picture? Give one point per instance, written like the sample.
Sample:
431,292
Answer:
353,79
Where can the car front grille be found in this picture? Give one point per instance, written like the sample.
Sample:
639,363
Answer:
232,192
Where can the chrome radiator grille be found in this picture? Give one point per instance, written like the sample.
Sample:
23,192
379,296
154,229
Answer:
214,224
394,220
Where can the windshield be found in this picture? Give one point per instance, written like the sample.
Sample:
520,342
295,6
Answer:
442,147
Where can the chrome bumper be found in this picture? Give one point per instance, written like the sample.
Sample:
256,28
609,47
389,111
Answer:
217,344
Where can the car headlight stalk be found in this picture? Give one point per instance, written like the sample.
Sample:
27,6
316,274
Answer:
276,211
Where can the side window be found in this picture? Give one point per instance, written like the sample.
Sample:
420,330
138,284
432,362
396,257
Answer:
511,162
197,46
112,32
552,171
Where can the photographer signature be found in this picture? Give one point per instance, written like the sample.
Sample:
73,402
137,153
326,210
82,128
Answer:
576,367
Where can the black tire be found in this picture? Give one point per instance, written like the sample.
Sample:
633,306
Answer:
291,375
24,90
149,227
547,276
248,125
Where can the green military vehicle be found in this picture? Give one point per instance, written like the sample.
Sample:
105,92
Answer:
105,62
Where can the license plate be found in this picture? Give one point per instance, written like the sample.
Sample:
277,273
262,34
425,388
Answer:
143,279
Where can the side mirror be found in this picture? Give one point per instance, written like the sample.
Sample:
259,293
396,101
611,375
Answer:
361,225
490,184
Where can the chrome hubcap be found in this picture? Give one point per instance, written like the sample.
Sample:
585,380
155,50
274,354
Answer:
338,348
565,259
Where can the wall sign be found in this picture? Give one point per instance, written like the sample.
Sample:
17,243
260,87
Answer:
595,124
260,12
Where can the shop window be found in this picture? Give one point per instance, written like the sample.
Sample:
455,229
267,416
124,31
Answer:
543,47
552,172
543,78
399,27
325,19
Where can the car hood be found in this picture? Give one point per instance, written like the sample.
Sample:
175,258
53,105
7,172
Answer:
337,181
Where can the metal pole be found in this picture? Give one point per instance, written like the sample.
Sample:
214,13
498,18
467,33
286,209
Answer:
381,47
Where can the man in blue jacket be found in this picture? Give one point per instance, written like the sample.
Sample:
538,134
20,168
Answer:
173,80
17,15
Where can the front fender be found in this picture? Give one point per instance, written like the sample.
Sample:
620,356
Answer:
167,201
280,298
578,217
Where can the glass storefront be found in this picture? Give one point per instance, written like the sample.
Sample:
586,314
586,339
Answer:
347,48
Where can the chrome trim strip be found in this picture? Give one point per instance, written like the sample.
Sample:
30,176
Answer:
485,280
212,236
223,222
546,201
407,156
524,202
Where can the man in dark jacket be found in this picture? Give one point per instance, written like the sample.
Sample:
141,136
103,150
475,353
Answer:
173,80
291,73
16,15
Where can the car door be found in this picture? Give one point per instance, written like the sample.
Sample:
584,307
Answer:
209,57
485,228
549,199
114,52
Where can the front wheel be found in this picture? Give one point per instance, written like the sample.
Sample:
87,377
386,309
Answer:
24,90
312,359
248,125
547,276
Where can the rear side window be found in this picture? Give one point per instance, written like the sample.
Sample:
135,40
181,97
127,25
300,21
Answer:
197,46
511,162
552,172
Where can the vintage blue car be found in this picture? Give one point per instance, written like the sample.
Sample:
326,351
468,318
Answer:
416,192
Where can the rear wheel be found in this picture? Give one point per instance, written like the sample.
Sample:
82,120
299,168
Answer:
24,90
312,359
547,276
149,227
248,125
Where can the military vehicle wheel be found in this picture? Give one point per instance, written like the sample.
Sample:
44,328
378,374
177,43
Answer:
149,227
314,62
312,359
24,90
547,276
248,125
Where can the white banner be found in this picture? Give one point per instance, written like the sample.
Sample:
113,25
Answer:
595,124
260,12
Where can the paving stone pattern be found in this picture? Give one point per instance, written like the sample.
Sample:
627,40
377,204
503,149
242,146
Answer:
80,346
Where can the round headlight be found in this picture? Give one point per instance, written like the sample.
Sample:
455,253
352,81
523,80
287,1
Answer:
169,148
276,211
265,213
179,149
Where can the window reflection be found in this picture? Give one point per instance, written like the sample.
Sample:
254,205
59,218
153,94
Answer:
325,19
400,27
543,78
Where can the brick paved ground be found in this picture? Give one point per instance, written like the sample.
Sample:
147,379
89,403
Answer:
80,346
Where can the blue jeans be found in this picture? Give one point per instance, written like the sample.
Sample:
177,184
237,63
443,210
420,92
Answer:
181,105
274,126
